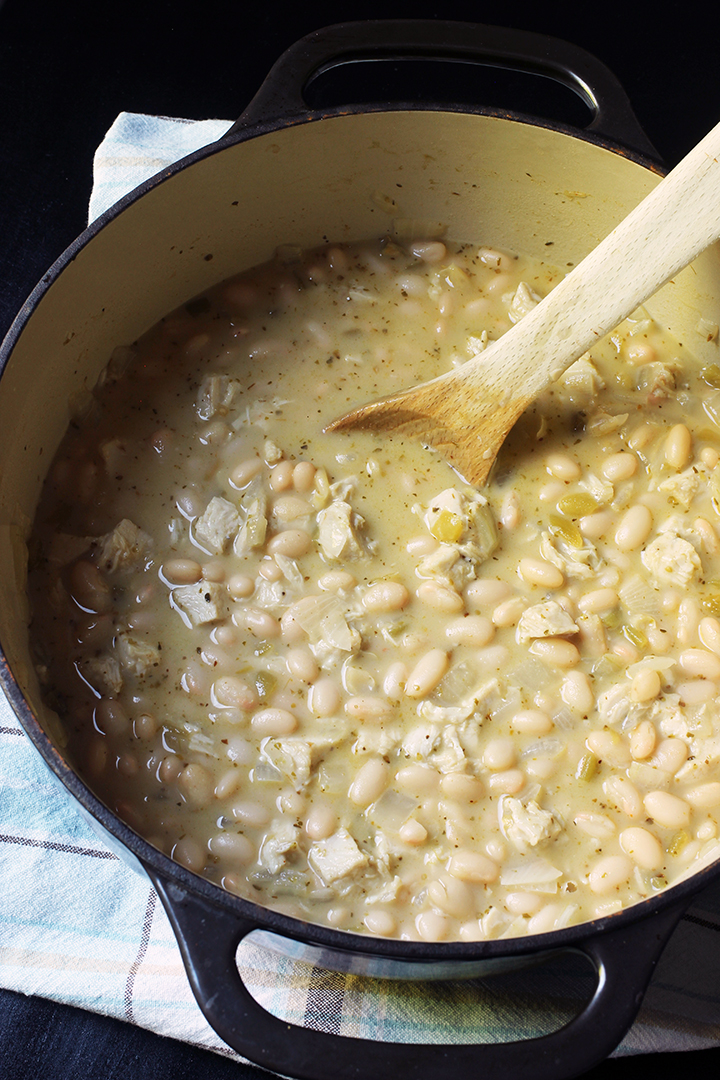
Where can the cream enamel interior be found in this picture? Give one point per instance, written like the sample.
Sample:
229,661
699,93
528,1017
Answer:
509,184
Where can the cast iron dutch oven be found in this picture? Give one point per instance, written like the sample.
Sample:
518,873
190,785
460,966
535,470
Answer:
288,173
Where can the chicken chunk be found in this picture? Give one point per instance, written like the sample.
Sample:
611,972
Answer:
671,559
219,521
548,619
336,857
202,603
126,548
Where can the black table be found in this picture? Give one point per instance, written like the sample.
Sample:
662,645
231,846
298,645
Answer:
66,71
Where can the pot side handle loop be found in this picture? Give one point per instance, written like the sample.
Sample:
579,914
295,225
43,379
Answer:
281,96
208,937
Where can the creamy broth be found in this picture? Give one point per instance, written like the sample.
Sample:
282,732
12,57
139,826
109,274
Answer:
325,673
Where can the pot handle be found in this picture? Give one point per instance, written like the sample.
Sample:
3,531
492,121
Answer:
209,936
281,96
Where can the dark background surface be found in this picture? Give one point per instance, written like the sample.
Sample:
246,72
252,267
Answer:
67,70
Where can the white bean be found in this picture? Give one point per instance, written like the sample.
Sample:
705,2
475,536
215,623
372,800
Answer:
634,528
228,783
281,476
609,873
337,581
499,754
188,853
181,571
240,586
169,769
145,727
370,781
195,783
427,673
486,592
431,926
214,570
620,466
542,573
509,611
688,620
707,534
473,630
470,865
598,602
642,436
127,764
324,698
642,847
646,685
321,822
232,847
418,779
274,722
88,587
251,813
510,513
304,477
556,651
291,542
242,474
563,467
670,755
507,782
260,623
386,596
523,903
696,691
290,508
667,809
380,922
704,796
441,597
532,722
413,832
291,802
110,718
595,526
608,745
701,663
709,634
577,692
599,826
302,665
642,740
546,919
430,251
232,691
451,895
419,546
368,708
678,446
624,795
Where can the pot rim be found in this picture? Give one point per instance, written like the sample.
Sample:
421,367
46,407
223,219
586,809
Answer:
240,132
169,871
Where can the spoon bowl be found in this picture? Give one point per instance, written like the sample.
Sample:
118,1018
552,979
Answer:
467,413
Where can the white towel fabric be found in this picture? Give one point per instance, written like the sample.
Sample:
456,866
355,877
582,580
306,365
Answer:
138,146
78,926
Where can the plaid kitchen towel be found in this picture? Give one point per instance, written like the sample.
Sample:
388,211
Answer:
78,926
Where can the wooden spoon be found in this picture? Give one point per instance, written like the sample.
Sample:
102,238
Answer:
467,412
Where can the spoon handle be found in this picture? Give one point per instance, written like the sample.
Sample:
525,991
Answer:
467,412
665,232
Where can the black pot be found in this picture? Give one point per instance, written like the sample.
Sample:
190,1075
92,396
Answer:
288,173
